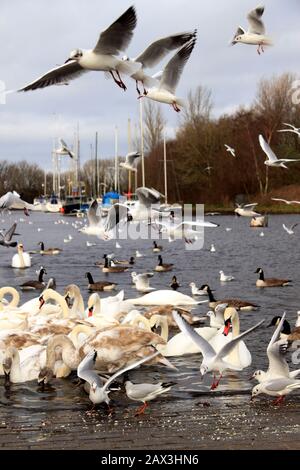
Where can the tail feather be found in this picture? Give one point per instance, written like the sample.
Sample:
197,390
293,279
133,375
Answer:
168,384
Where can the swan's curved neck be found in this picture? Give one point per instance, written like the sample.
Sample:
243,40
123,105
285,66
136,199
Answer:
59,299
140,319
78,305
77,330
10,291
163,323
21,257
70,354
234,354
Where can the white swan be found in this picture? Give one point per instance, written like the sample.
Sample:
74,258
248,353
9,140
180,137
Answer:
240,356
181,344
21,260
30,366
164,297
15,298
109,307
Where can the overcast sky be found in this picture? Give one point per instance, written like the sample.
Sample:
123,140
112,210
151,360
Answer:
36,35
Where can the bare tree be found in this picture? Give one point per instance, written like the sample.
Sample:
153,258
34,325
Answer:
154,124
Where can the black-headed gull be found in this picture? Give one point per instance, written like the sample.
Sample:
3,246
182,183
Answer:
142,281
246,210
278,366
64,149
184,229
98,390
146,392
272,159
256,31
224,277
131,161
276,388
230,150
290,230
112,41
153,54
5,238
164,91
103,227
12,200
293,129
285,201
212,361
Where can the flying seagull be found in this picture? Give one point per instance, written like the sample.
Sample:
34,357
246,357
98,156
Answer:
246,210
285,201
12,200
230,150
112,41
290,230
164,91
64,149
272,159
154,53
130,161
212,361
5,239
256,31
103,227
294,129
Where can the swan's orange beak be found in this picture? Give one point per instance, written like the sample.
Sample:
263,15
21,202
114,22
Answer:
90,311
227,327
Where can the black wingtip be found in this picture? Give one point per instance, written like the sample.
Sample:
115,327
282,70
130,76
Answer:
168,384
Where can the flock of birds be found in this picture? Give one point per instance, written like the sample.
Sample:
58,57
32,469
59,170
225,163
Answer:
53,334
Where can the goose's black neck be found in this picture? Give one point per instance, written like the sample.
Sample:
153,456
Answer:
261,275
286,328
42,246
210,295
41,275
90,278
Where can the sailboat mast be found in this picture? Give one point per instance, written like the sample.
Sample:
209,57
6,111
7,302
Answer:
142,141
116,161
165,168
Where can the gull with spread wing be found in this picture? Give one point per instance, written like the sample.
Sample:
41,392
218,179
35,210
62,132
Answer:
184,229
64,149
165,89
212,361
293,129
98,390
272,158
131,161
290,230
256,31
12,200
5,238
112,41
278,367
285,201
103,227
153,54
246,210
230,150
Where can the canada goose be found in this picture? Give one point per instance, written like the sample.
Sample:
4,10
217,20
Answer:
236,303
35,285
161,267
48,251
108,268
174,284
156,248
286,332
269,282
99,285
